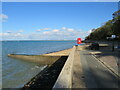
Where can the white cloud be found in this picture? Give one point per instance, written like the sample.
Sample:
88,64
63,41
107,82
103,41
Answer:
46,28
43,29
3,17
18,35
70,30
65,33
64,28
55,30
54,34
39,30
9,31
4,34
46,32
20,31
12,35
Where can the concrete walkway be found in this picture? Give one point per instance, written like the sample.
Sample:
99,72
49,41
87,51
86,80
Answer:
96,74
89,72
84,70
78,80
108,58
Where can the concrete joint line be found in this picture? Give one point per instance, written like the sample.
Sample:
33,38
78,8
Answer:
106,65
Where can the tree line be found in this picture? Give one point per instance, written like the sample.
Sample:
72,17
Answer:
111,27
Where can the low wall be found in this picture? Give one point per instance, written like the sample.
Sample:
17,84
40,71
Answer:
65,78
40,59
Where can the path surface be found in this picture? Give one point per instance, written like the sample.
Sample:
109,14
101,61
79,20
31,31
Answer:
89,72
78,80
96,74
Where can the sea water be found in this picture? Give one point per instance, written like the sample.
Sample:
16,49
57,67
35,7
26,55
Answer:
16,73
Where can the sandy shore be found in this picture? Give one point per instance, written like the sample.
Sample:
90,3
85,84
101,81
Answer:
65,52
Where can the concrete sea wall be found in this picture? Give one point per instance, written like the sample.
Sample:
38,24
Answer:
40,59
65,78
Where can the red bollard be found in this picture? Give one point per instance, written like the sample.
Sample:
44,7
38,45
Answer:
79,41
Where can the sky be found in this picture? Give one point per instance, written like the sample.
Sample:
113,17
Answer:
60,0
53,20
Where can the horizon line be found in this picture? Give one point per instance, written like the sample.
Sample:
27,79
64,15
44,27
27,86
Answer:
36,40
60,1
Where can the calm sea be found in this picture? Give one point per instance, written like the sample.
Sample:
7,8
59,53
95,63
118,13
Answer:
16,73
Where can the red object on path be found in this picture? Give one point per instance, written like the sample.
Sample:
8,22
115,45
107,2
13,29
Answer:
79,41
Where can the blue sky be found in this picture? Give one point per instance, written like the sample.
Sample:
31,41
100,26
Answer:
53,20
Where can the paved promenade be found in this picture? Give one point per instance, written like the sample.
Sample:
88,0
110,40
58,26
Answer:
99,70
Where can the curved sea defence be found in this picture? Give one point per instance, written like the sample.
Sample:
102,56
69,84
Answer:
45,59
40,59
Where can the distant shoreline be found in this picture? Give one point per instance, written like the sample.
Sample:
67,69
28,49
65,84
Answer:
37,40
